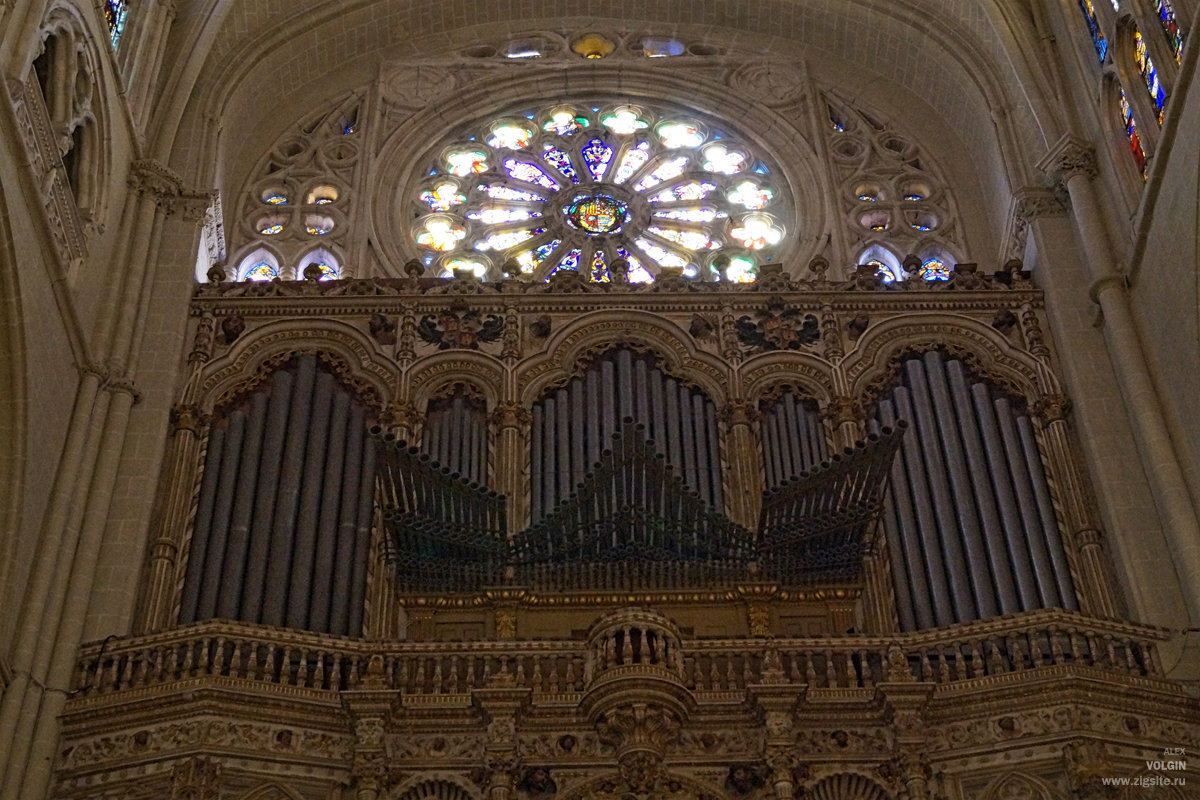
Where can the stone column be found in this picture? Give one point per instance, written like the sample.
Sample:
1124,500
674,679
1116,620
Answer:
369,707
510,428
53,620
189,433
848,420
743,464
1085,553
1073,162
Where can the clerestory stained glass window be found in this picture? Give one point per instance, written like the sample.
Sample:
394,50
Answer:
1145,66
1089,14
580,186
115,12
1131,132
1170,26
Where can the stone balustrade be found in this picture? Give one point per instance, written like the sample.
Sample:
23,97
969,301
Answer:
262,655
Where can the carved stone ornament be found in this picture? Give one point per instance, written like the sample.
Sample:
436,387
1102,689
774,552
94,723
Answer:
196,779
383,330
416,87
774,85
778,326
459,327
1069,157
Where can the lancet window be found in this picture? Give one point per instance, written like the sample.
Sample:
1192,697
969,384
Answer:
1170,26
1093,27
115,13
580,186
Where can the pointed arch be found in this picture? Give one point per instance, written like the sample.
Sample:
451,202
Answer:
885,260
1017,786
353,355
261,263
435,787
847,786
876,356
601,330
325,260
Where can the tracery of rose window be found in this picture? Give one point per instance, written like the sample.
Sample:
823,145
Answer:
576,187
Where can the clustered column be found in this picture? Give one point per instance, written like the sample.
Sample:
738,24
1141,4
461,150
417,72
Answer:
1073,161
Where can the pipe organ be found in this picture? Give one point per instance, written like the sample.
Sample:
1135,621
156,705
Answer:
456,434
970,522
793,438
572,424
284,515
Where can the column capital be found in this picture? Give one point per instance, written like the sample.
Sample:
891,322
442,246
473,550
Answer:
1033,202
1070,156
148,176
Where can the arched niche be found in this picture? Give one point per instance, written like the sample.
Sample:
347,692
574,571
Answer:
354,357
601,330
877,354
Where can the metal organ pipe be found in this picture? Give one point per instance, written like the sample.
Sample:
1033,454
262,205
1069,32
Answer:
549,457
579,415
536,465
918,483
318,599
993,531
234,569
562,404
624,383
357,590
700,420
981,396
714,454
264,505
957,472
1041,489
222,510
339,591
687,439
608,410
897,549
300,580
283,529
1035,541
674,445
927,427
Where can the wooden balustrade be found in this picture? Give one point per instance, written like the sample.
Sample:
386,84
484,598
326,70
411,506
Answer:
223,651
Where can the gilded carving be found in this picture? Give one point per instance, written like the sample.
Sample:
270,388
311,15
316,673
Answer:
778,326
460,327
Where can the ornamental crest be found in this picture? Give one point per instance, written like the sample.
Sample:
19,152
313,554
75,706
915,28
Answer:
460,328
778,326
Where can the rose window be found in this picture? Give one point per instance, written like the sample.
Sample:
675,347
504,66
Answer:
578,187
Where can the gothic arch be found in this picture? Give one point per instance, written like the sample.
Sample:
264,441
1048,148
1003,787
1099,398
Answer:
875,358
353,355
271,791
602,329
432,374
1017,786
847,786
761,127
763,372
447,786
76,104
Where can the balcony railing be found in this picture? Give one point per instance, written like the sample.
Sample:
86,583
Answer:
246,653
